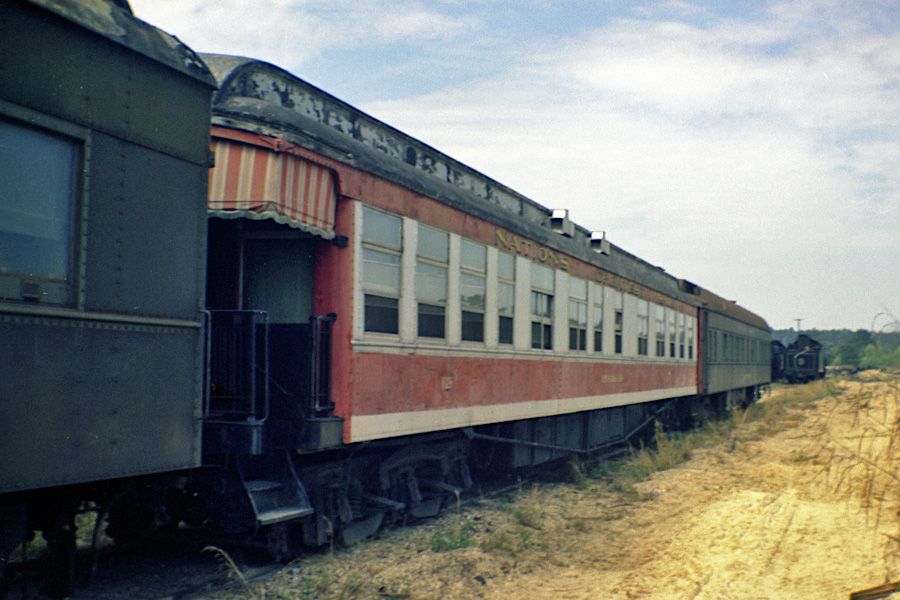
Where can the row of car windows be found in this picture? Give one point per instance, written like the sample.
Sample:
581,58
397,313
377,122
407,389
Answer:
382,251
729,347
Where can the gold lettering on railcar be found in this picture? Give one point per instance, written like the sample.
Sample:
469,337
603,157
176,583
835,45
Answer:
513,243
618,282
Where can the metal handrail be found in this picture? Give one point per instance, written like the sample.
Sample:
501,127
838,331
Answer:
247,382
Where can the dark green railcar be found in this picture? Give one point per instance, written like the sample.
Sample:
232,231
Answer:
104,152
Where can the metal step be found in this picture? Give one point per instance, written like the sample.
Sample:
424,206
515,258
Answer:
284,513
274,490
261,485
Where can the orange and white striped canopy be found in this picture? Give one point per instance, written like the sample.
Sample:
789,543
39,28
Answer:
257,182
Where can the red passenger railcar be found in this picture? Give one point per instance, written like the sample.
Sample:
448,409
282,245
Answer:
381,312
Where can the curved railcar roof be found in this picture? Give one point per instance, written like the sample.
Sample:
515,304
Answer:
114,20
262,98
711,301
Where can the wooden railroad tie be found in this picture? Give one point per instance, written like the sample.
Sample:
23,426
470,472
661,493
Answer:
881,591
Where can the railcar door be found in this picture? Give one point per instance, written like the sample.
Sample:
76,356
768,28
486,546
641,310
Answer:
278,278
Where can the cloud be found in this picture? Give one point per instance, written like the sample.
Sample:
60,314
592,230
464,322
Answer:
292,33
752,147
713,146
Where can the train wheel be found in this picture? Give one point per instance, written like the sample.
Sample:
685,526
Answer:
61,538
361,529
12,533
284,541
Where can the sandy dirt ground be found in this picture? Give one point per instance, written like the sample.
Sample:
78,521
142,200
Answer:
754,517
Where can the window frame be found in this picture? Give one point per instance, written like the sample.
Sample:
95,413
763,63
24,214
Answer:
506,320
475,314
578,323
671,325
618,320
661,331
542,299
374,246
597,322
65,291
428,309
643,327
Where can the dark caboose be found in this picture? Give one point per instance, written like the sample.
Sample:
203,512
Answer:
104,156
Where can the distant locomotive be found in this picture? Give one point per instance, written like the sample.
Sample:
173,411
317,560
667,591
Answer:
377,318
801,361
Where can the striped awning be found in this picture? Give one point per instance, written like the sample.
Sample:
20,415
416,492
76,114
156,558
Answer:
255,182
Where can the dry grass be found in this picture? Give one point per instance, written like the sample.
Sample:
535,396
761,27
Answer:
859,445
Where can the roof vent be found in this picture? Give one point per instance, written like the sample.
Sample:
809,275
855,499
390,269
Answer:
560,223
599,243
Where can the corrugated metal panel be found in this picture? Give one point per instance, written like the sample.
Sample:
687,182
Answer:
255,182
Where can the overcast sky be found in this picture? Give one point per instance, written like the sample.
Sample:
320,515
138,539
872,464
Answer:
751,147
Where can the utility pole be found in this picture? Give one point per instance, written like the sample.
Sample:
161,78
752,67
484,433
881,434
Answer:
798,325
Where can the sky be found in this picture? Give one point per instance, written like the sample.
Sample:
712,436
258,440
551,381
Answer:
751,147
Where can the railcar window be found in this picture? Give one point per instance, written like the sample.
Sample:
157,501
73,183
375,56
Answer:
660,331
619,304
690,337
680,335
577,314
431,281
542,291
643,322
37,195
672,333
598,318
382,244
506,296
473,261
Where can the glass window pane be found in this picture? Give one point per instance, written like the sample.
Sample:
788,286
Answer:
578,288
506,330
506,265
472,256
431,321
431,282
433,244
381,272
472,326
577,314
471,291
541,304
37,173
542,278
506,298
381,229
381,314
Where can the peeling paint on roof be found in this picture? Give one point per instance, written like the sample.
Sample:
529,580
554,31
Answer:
114,20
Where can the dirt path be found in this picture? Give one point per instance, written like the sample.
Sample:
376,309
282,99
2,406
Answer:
750,518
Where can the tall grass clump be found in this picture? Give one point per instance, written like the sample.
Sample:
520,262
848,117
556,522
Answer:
234,570
861,454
